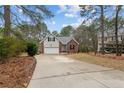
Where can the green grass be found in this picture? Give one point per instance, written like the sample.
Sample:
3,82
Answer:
107,62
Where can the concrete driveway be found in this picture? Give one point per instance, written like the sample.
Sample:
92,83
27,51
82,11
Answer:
57,71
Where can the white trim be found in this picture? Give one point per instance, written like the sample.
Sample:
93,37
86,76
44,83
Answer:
48,34
75,41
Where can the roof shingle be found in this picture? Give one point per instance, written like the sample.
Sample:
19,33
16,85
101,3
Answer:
65,40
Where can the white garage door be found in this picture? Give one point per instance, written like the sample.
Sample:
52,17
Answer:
51,50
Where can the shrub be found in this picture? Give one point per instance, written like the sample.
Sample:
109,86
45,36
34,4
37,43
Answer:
3,50
32,48
10,47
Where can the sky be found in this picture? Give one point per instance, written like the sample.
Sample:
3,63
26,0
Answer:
70,15
63,15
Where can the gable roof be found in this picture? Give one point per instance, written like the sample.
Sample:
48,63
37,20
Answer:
63,40
47,35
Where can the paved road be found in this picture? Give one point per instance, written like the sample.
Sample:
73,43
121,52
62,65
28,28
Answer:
57,71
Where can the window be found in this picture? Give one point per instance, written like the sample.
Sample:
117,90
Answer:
72,46
51,38
48,39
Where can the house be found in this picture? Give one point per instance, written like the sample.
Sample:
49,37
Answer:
109,41
56,45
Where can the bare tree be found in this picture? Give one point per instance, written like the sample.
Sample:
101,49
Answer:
118,9
102,25
90,12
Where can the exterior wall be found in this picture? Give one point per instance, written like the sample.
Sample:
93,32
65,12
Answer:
99,46
108,40
51,46
59,45
75,50
60,48
51,43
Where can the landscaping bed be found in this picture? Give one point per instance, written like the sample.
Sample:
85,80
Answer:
17,72
98,60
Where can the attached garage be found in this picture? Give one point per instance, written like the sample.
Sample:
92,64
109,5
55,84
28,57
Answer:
52,50
55,45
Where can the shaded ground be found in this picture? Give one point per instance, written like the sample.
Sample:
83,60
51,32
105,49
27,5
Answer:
106,60
17,72
58,71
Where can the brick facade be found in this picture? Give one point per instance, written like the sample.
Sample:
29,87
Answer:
72,47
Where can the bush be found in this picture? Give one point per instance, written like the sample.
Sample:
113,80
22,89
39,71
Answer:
3,50
32,48
10,47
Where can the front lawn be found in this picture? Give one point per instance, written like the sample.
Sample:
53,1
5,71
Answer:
107,62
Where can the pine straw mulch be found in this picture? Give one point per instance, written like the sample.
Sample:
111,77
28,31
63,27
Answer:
17,72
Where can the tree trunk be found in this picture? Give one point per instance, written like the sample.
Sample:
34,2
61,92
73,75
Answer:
7,20
116,32
102,27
